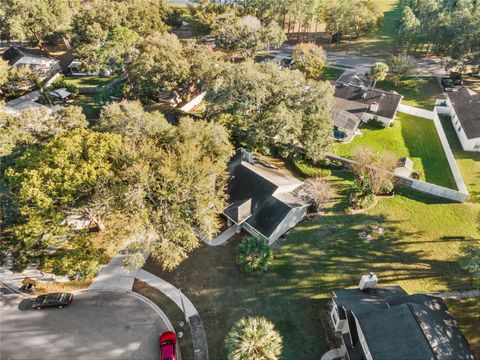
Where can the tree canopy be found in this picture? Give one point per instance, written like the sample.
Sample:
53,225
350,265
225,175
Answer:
310,59
273,110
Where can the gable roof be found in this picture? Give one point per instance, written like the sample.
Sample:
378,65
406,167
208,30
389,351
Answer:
409,326
344,120
466,104
13,54
264,191
388,102
354,78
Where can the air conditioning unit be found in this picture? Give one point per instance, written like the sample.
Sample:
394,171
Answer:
368,281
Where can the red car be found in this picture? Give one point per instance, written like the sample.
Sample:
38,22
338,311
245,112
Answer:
168,346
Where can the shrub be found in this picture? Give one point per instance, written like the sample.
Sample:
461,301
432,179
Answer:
387,187
254,255
62,83
309,170
253,338
470,261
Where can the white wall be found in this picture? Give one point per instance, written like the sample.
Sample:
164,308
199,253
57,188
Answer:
385,121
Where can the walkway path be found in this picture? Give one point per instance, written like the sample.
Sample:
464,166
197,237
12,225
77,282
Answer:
114,276
333,354
223,237
14,280
469,294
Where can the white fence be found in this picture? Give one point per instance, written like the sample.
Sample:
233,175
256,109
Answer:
433,115
194,102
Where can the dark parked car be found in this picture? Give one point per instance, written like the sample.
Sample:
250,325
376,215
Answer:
168,346
52,300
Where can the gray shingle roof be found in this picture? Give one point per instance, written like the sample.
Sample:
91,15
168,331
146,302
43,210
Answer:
14,53
467,107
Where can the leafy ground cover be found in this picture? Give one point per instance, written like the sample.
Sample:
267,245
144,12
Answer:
409,136
422,240
467,314
419,92
88,81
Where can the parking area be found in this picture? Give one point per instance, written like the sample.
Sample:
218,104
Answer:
97,325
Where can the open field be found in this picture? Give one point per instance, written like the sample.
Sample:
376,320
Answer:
417,251
416,91
412,137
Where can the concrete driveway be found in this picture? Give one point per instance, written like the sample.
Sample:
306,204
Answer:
97,325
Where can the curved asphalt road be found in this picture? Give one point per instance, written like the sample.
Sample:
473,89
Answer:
97,325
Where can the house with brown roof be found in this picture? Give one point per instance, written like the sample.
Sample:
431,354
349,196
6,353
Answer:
463,106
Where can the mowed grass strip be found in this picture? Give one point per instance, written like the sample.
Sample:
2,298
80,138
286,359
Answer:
409,136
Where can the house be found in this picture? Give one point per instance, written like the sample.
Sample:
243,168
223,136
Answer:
354,78
345,123
404,167
28,102
38,60
261,198
378,323
367,103
463,106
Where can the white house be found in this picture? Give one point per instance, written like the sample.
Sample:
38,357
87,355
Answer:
463,106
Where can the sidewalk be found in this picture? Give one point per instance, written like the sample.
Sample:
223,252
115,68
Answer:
223,237
14,280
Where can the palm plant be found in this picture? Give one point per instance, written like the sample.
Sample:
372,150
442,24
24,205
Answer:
254,255
253,338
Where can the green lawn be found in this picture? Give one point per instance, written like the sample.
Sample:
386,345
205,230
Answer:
88,81
418,251
418,92
468,162
467,314
330,73
409,136
90,107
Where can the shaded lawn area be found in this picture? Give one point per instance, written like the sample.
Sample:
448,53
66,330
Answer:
416,91
88,81
418,251
409,136
467,161
380,42
90,107
331,74
467,314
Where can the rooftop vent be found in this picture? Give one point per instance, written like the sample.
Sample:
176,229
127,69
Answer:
374,107
368,281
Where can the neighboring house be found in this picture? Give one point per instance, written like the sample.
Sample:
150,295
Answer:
38,60
27,102
386,323
261,199
75,68
345,123
463,106
368,104
354,78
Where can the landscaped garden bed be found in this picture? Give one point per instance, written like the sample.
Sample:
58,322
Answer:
409,136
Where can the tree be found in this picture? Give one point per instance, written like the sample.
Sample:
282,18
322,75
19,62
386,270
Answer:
378,72
35,20
254,255
317,191
310,59
20,78
245,35
272,110
163,63
253,338
203,15
4,71
401,65
373,169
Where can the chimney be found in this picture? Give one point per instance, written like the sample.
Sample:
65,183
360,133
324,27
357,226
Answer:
368,281
248,156
374,107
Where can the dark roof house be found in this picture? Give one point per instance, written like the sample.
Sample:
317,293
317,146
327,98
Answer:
387,323
36,59
345,123
261,199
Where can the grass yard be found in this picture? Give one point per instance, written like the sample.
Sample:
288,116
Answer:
419,249
418,92
409,136
90,107
468,162
331,74
467,314
382,41
88,81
